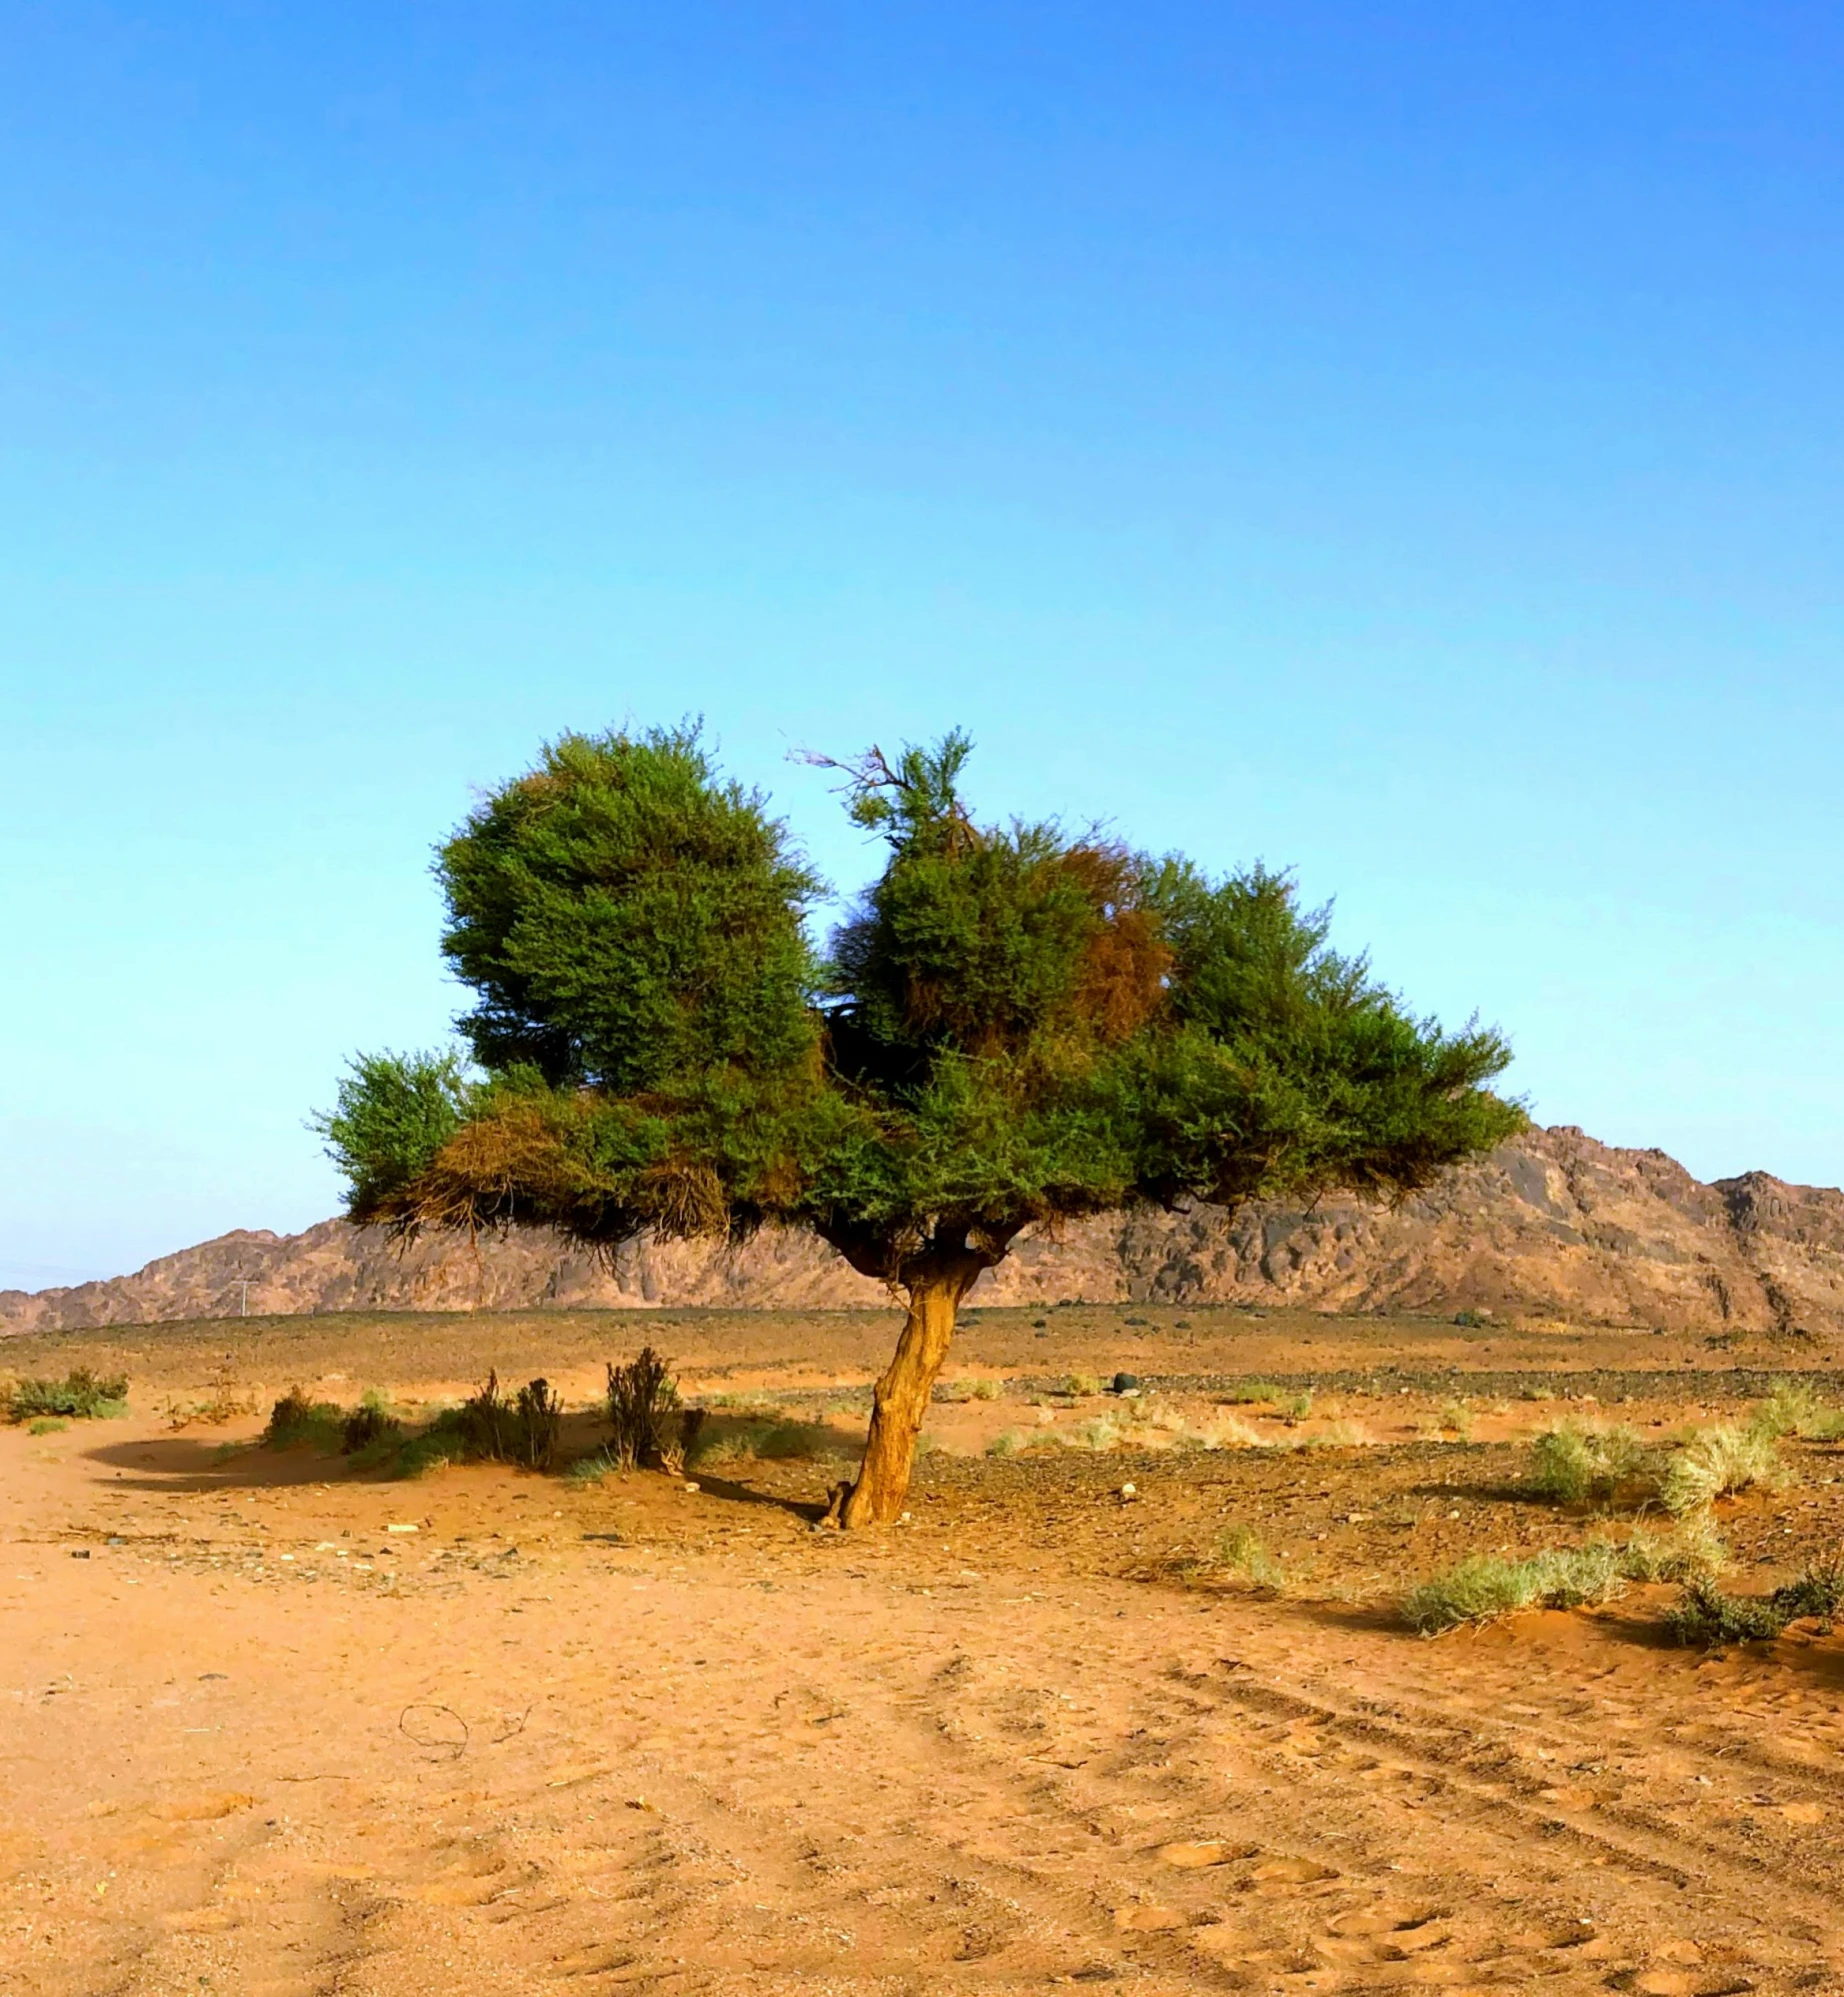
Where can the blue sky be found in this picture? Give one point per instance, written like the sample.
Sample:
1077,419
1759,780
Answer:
1399,442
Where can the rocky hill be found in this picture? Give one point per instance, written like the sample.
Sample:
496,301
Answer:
1550,1225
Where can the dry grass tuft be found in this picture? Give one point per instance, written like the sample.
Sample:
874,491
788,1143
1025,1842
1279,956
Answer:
1573,1465
1487,1586
1717,1463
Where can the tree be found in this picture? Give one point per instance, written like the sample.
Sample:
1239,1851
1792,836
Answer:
1014,1028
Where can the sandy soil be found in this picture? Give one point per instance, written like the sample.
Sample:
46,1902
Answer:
254,1740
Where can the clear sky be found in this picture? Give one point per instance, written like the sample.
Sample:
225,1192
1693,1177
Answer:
1399,441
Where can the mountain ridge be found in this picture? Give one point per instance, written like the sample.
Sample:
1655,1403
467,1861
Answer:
1552,1224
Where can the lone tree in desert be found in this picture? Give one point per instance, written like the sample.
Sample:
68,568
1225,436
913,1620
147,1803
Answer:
1014,1028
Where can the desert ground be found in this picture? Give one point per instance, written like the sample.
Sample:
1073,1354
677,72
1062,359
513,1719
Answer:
273,1725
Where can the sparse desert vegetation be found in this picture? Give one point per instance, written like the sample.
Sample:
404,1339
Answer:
80,1395
1177,1609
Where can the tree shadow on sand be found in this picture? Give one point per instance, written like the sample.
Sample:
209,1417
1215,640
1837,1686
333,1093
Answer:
191,1465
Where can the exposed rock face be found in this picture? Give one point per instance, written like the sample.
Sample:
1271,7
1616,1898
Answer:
1551,1224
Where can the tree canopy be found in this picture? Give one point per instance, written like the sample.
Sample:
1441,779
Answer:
1014,1026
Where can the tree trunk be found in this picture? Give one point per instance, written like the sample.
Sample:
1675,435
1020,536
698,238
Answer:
900,1401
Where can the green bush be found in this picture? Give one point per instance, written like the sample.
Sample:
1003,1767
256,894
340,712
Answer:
295,1420
1688,1549
1707,1617
1792,1407
522,1430
652,1429
1573,1465
1243,1552
1485,1586
1250,1393
1716,1463
80,1396
1817,1591
370,1427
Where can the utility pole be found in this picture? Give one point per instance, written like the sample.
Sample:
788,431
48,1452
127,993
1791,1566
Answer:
246,1297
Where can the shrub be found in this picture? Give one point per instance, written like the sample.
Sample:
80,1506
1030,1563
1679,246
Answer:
47,1425
1009,1443
1225,1432
369,1427
1827,1427
766,1439
1339,1435
80,1396
1716,1463
488,1427
1690,1548
295,1420
537,1417
1243,1553
968,1390
1249,1393
1572,1465
1082,1386
1817,1591
1485,1586
797,1441
1105,1432
652,1430
1792,1407
1707,1617
1456,1415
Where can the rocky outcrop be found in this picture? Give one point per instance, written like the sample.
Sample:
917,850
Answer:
1552,1224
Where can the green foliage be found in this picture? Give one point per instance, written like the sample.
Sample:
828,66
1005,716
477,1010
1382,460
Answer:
1716,1463
1707,1617
1242,1552
761,1438
1485,1586
645,1414
392,1114
80,1395
629,921
295,1420
368,1427
490,1428
1253,1393
1572,1465
47,1425
1690,1548
1794,1407
1013,1025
